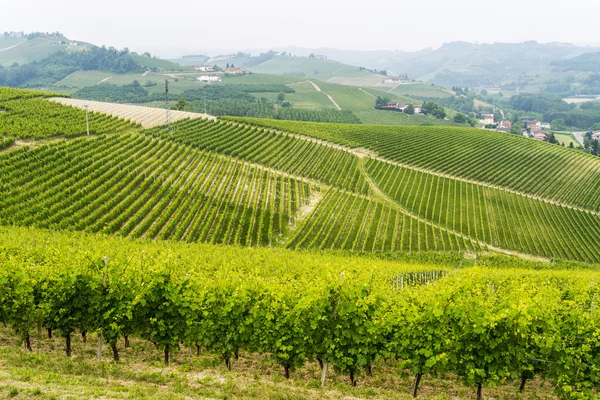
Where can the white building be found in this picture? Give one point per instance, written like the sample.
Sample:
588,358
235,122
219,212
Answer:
397,80
209,78
204,68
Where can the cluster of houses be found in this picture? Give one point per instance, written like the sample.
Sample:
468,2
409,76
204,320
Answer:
401,107
214,77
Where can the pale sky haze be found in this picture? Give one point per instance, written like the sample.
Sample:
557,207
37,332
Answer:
170,29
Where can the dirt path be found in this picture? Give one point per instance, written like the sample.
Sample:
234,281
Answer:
146,73
364,91
10,47
318,89
104,80
384,197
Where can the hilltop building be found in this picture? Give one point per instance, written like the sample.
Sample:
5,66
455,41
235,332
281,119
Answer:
320,57
236,71
397,80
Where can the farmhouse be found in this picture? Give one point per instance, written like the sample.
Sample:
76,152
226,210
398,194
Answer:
539,135
235,71
209,78
395,106
487,118
596,135
418,109
397,80
530,123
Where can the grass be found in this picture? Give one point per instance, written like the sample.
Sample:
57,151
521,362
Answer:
422,90
27,50
566,139
46,373
309,67
161,65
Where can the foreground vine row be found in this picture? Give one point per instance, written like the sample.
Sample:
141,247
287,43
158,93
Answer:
485,326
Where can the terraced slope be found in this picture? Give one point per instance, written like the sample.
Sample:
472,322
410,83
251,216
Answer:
504,160
137,186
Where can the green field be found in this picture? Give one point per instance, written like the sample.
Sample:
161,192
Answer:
308,67
248,258
421,90
27,51
566,139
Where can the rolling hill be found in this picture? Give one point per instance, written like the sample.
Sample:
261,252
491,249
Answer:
337,254
404,181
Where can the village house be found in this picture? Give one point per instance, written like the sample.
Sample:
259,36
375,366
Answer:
596,135
395,106
504,126
418,109
320,57
487,118
209,78
531,123
235,71
397,80
539,135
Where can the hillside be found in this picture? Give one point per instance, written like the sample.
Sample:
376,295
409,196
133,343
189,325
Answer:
321,69
255,258
494,207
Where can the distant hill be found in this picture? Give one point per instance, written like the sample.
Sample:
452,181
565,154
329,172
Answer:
460,63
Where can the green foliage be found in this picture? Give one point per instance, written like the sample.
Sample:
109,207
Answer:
486,326
465,152
60,64
434,109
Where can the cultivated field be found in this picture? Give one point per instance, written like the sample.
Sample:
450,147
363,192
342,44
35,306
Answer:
147,117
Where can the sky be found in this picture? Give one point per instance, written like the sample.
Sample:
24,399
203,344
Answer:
170,29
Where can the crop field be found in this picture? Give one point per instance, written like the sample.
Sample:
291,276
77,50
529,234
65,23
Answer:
421,90
309,67
305,158
29,115
147,117
271,259
503,160
152,189
322,323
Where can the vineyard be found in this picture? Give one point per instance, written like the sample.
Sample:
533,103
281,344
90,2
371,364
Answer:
376,261
504,160
494,216
141,187
288,153
146,117
353,316
26,115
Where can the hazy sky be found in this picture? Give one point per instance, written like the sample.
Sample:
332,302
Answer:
171,28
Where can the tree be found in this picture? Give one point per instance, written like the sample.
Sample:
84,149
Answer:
558,124
460,118
382,102
410,109
517,128
181,104
232,66
497,117
571,145
312,55
281,97
227,65
484,92
550,138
